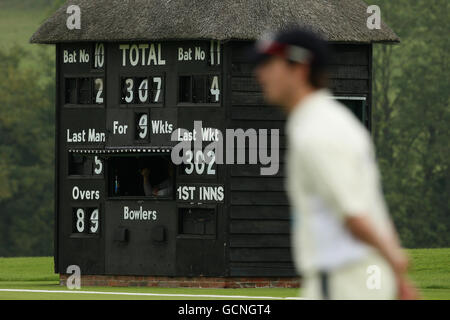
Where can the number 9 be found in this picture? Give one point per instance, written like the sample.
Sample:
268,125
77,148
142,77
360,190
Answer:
94,221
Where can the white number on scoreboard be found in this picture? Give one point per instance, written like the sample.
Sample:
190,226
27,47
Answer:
199,163
87,220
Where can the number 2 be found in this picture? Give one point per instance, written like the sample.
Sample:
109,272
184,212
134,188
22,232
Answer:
99,87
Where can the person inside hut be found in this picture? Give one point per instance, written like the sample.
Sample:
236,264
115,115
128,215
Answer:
162,189
344,243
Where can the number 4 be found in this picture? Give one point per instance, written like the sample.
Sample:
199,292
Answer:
215,91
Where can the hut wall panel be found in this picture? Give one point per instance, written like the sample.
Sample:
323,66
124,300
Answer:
350,86
259,227
243,79
281,157
246,170
256,241
348,54
258,124
260,255
246,83
256,113
258,208
247,98
261,184
266,269
260,212
349,72
350,69
258,197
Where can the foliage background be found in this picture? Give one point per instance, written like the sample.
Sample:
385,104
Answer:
410,124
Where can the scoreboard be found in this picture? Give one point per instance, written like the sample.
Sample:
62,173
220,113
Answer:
132,99
123,207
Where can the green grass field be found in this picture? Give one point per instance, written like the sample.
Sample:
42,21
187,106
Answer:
430,271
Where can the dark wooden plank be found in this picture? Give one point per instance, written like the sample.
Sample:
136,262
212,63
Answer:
260,254
350,55
245,84
262,272
246,170
274,144
342,54
250,134
265,113
349,72
247,98
338,50
258,124
265,183
242,69
260,227
262,269
239,51
268,265
243,79
349,86
265,152
260,212
263,198
260,241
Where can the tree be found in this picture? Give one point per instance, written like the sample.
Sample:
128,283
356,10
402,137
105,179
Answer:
26,155
411,115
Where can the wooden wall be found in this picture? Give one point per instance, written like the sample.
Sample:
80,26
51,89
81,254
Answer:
258,209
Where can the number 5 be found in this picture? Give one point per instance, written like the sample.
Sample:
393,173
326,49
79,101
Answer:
98,166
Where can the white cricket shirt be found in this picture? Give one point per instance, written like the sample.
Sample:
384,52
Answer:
331,174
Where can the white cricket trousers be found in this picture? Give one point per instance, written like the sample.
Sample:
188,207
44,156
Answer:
369,279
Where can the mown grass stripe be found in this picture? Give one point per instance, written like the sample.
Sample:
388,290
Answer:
153,294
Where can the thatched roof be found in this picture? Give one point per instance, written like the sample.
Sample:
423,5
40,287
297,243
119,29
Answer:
133,20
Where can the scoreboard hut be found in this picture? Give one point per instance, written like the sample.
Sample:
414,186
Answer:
126,80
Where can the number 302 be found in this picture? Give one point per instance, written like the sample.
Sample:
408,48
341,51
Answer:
199,163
